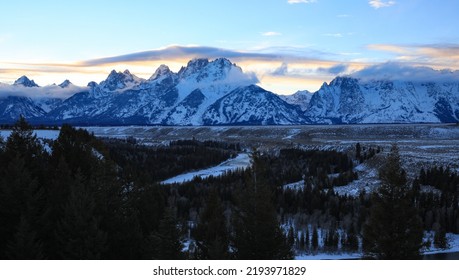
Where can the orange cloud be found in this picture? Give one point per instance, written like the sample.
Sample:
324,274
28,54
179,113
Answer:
282,70
437,56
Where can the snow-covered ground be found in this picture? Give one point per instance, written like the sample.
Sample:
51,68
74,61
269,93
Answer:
368,180
241,161
453,242
42,134
328,256
294,186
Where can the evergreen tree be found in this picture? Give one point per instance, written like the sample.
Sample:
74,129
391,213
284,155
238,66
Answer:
20,196
352,241
291,236
25,244
302,245
358,151
78,232
168,239
23,142
440,240
257,233
394,229
315,239
211,233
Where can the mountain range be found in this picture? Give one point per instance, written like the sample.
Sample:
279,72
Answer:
218,92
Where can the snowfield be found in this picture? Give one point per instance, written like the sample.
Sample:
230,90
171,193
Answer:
41,134
241,161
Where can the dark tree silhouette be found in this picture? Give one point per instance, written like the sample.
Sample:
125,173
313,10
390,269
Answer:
211,233
394,229
257,233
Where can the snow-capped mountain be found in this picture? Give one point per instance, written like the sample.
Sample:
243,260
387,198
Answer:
165,98
300,98
11,107
26,98
65,84
218,92
349,100
120,81
252,105
25,82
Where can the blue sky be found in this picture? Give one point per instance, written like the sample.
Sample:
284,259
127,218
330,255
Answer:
289,44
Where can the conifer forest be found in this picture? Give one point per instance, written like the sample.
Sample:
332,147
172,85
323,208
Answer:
85,197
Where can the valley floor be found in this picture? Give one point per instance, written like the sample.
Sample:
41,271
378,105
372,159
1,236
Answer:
420,144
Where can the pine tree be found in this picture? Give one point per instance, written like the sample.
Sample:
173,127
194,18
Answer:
168,238
23,142
394,229
315,240
257,233
78,232
440,240
25,244
352,241
358,151
211,233
20,196
302,245
291,236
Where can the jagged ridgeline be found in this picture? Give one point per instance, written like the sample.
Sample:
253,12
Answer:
218,92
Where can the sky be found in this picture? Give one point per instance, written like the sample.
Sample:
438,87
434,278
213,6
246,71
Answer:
289,44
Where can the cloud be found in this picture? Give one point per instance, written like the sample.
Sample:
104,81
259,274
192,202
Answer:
377,4
277,64
301,1
433,55
181,53
184,53
281,70
301,62
336,35
271,33
334,70
396,71
51,91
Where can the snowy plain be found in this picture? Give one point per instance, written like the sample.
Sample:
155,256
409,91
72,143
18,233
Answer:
40,133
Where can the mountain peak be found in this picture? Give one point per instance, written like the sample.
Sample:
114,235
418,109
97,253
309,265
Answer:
201,69
194,66
119,80
339,80
24,81
163,70
223,62
92,84
300,98
65,84
197,63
